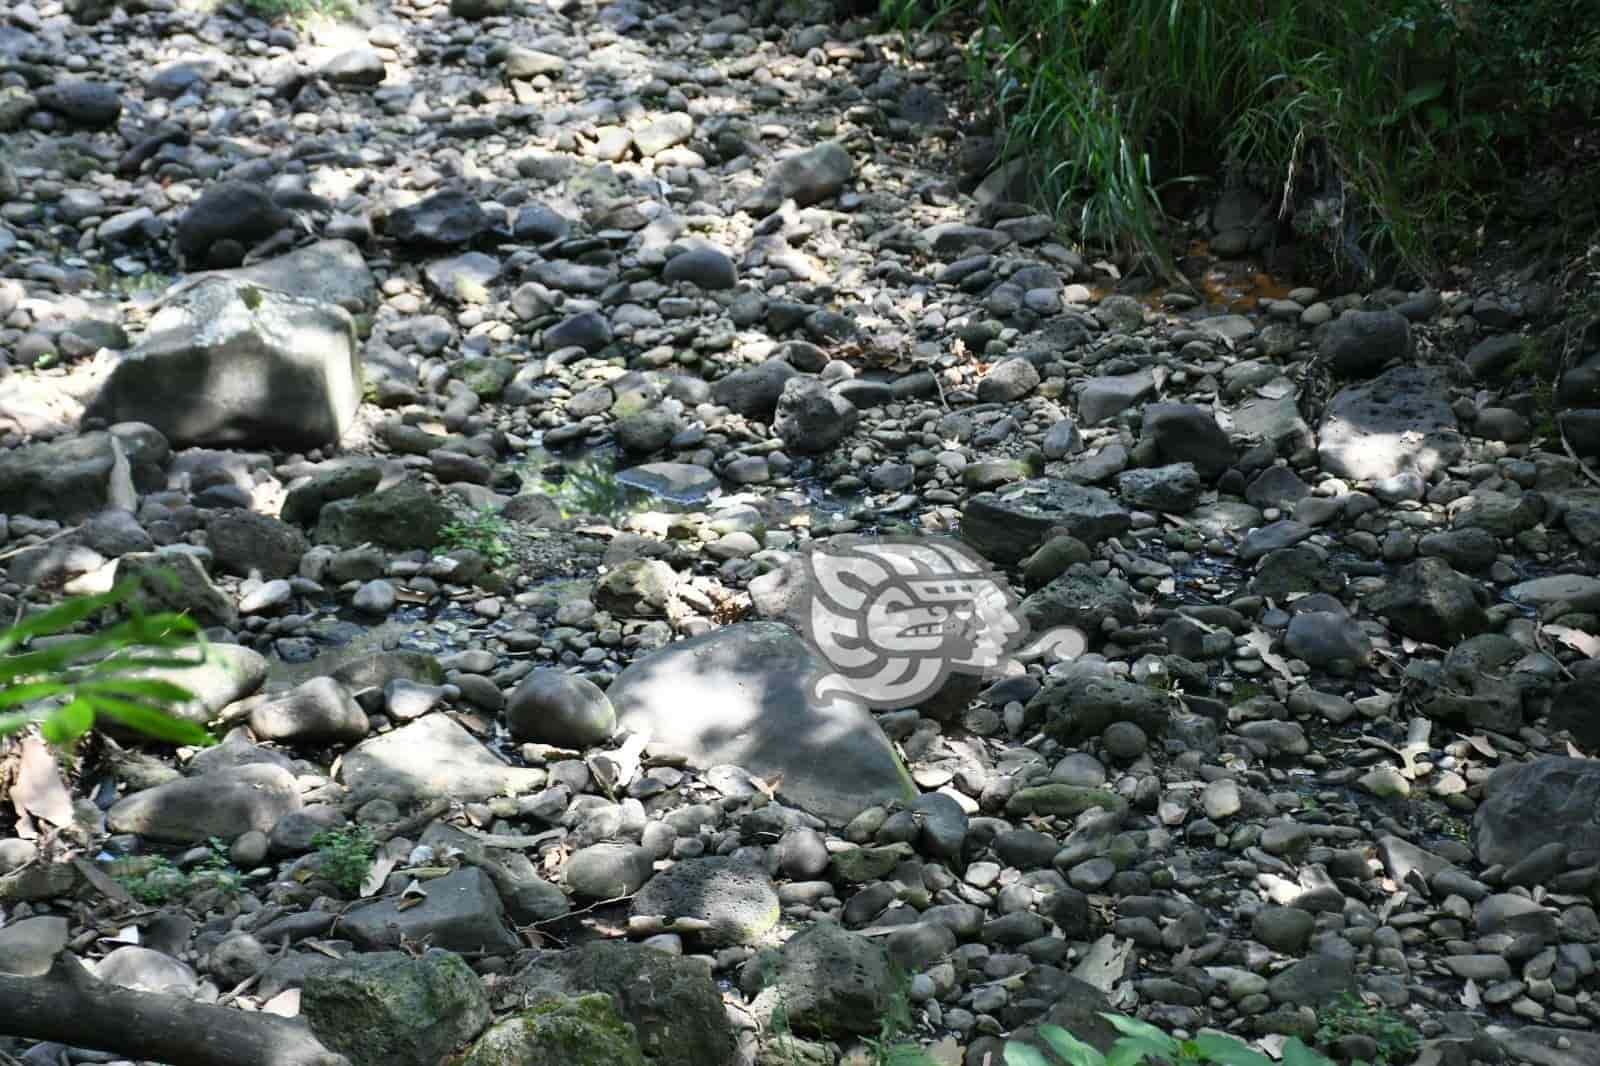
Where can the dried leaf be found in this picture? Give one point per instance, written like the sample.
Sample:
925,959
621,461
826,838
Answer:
407,902
1587,643
1261,641
38,791
1470,997
382,866
1481,745
104,885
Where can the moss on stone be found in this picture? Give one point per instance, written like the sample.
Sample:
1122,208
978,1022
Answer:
575,1031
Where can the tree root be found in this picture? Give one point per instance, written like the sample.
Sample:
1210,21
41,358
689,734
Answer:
68,1006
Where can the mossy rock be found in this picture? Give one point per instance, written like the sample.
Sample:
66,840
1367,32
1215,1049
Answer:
389,1009
487,376
402,517
676,1009
579,1031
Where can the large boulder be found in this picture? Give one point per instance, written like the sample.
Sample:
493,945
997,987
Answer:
229,218
1427,600
1399,421
1006,526
228,363
72,478
1551,800
554,707
223,804
742,695
392,1009
827,980
676,1010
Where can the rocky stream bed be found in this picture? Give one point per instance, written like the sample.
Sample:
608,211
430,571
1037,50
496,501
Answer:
482,372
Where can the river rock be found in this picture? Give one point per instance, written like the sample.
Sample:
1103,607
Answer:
741,695
221,804
228,363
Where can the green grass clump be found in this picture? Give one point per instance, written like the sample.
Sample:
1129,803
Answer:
344,856
1348,1015
1377,124
483,532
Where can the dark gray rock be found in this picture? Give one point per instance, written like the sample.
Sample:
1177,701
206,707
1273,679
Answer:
554,707
827,980
462,912
403,516
806,177
1528,805
221,804
91,104
1188,433
446,219
1007,525
676,1010
810,417
320,709
1358,343
242,541
1172,489
1429,601
237,213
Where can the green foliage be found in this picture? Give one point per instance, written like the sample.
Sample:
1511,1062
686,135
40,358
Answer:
344,856
65,682
1348,1015
154,880
484,533
890,1048
1142,1042
1381,121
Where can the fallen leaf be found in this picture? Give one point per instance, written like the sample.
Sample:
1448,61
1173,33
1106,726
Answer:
38,791
382,866
1480,743
1262,643
1587,643
1470,997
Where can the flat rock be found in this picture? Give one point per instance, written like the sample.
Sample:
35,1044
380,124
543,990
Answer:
432,758
1396,422
741,695
221,804
462,912
1007,525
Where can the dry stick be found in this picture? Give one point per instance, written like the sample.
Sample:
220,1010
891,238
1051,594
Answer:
69,1006
38,543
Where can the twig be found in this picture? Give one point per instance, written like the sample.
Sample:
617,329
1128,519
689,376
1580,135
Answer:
581,910
39,543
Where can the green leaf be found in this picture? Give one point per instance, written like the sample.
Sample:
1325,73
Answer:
149,689
1070,1048
153,722
1297,1054
1020,1054
31,691
1142,1031
68,724
1422,94
1229,1051
10,723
